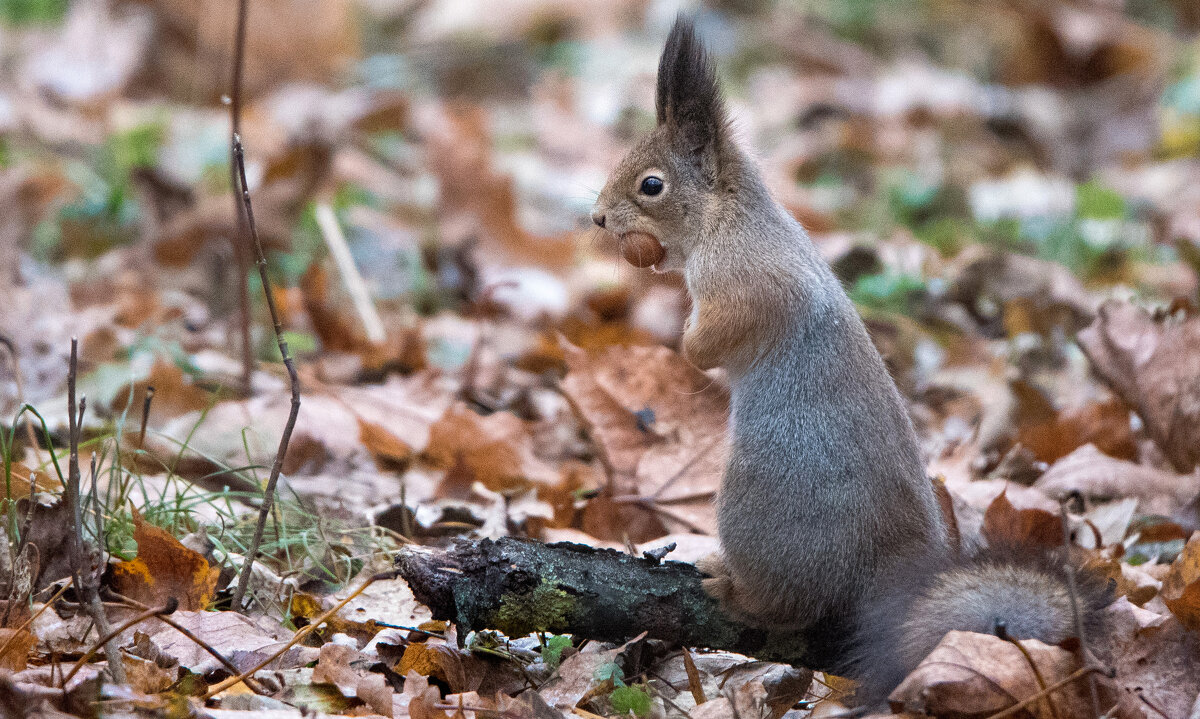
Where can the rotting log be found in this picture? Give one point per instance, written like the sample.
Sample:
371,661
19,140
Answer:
521,586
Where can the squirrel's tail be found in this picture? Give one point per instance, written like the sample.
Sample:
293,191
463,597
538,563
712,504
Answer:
1027,594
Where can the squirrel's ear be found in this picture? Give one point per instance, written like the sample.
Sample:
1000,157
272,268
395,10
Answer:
689,100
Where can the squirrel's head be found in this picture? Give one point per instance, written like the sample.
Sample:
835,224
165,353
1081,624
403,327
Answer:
666,185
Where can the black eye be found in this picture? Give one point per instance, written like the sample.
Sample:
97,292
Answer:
652,186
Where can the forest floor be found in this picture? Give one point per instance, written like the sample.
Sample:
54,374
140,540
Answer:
1010,193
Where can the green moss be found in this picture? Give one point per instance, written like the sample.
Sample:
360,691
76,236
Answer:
541,610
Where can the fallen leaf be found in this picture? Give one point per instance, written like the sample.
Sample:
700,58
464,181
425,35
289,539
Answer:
242,640
175,393
1155,658
164,569
1181,586
1006,526
48,541
1104,424
478,199
18,485
385,447
1098,476
972,674
1153,365
17,644
335,666
661,424
1046,291
496,451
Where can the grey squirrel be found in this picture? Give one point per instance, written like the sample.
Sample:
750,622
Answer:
826,519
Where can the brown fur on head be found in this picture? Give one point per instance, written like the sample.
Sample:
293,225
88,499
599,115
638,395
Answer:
686,152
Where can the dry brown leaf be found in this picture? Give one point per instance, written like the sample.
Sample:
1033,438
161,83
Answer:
652,412
616,429
277,205
385,447
18,482
17,643
164,568
1154,366
1053,436
49,538
402,350
1181,586
287,40
1006,526
174,394
1096,475
334,666
242,640
1155,658
1047,294
496,450
575,678
478,198
145,676
972,674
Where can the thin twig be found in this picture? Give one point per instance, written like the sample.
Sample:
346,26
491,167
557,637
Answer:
335,240
1037,673
293,380
86,580
240,250
171,605
296,638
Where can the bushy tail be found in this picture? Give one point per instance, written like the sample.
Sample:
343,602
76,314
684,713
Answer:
1026,593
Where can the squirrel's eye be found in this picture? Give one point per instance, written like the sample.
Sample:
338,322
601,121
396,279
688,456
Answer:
652,185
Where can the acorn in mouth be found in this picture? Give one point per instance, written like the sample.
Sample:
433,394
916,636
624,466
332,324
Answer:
641,249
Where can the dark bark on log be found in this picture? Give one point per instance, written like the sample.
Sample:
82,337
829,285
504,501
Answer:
521,586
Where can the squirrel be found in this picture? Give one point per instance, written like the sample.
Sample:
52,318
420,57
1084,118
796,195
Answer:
827,521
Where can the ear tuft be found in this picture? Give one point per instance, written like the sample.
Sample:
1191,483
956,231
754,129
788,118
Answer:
688,97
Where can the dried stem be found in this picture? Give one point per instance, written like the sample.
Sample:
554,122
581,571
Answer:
240,249
86,578
293,381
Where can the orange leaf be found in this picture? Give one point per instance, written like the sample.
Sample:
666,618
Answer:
1181,586
19,642
164,568
20,474
384,446
1006,526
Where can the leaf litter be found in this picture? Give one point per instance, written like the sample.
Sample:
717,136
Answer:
1011,202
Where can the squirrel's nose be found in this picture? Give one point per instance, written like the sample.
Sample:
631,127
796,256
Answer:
598,218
